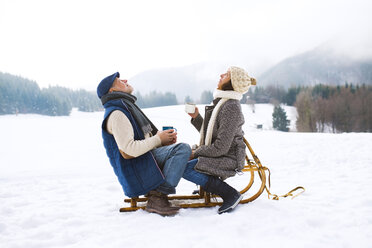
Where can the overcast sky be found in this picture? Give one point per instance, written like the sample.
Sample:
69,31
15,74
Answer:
76,43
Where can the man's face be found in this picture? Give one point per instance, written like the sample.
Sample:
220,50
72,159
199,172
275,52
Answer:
122,85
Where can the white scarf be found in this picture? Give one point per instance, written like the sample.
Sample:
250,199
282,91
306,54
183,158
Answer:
225,95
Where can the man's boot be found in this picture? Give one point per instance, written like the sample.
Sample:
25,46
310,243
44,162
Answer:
168,203
230,196
158,203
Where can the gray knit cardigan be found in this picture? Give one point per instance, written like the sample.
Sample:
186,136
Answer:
225,156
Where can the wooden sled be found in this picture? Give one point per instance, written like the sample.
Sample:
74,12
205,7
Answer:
201,199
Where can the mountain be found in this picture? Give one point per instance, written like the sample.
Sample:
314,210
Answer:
183,81
321,65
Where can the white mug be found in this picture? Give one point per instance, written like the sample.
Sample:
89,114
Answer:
190,108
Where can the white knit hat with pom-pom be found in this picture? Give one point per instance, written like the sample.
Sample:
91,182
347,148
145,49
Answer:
240,80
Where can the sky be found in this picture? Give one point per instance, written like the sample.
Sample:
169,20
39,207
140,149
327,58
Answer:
75,43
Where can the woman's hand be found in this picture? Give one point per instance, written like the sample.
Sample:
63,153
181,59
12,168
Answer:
195,114
192,156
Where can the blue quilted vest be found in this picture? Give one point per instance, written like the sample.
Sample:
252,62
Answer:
139,175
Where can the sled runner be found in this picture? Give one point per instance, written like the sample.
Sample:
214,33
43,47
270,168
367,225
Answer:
200,198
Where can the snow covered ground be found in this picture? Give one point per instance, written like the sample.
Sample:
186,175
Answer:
57,189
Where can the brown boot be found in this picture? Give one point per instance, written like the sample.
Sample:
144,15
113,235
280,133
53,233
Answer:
168,203
158,203
164,199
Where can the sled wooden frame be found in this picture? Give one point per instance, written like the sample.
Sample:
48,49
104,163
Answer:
206,199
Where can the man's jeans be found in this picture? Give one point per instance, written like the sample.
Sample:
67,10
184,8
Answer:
172,161
194,176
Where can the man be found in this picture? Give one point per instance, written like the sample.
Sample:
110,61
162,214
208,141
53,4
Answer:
145,160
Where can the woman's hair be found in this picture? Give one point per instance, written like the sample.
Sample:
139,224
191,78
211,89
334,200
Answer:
227,86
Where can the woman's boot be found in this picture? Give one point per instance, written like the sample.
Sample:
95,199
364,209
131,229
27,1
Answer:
230,196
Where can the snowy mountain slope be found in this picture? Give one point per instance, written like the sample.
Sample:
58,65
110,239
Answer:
57,189
322,65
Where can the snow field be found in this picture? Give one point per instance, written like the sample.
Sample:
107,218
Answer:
57,188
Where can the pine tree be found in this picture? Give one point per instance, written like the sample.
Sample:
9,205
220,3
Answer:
206,97
280,121
188,99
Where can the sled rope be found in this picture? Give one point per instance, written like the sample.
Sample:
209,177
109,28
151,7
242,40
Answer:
259,168
290,193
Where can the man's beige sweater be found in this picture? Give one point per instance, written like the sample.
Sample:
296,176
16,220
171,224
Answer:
120,127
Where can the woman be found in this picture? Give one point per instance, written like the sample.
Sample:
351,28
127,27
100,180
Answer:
221,152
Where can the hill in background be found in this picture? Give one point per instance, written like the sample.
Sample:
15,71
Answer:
319,66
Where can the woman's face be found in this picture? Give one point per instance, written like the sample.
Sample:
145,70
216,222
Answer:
224,78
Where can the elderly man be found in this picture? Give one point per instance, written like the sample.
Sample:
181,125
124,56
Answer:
145,160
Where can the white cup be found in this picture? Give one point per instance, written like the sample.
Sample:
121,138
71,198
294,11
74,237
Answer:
190,108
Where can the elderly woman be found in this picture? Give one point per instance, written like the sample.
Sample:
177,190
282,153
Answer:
221,152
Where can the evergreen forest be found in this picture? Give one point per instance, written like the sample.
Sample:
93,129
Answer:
20,95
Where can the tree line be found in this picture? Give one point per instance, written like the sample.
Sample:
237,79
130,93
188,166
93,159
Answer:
321,108
273,94
338,109
155,99
20,95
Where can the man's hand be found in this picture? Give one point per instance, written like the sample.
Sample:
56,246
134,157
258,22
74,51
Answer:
195,114
167,137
